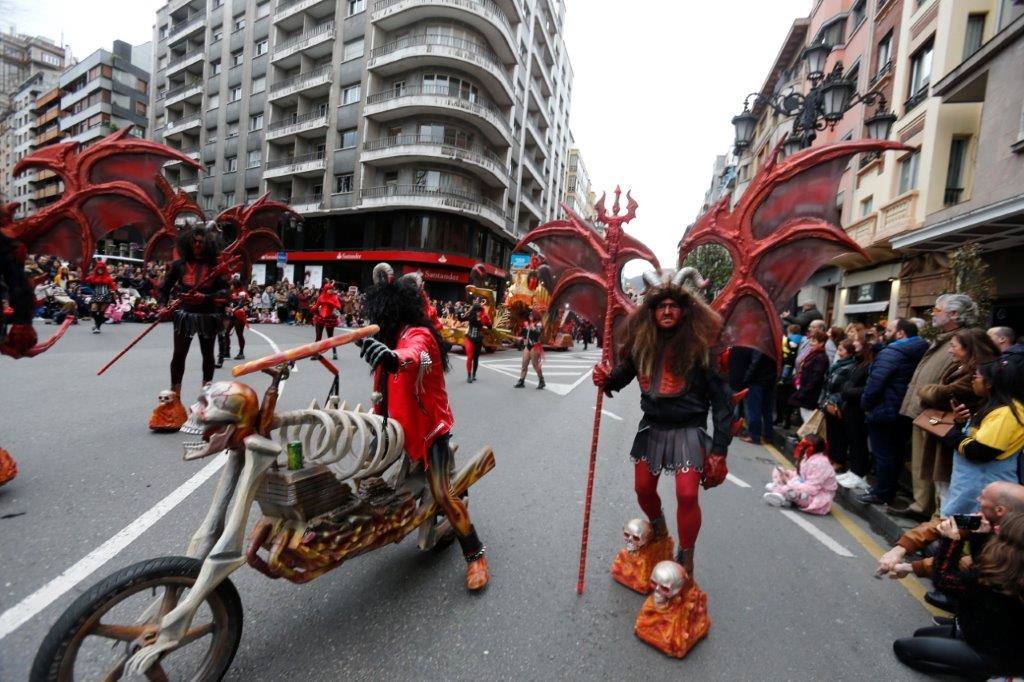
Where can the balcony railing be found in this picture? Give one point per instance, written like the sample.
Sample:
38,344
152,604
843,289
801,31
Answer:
477,153
180,90
308,36
444,193
882,72
182,123
863,231
297,119
472,101
181,26
897,216
915,99
301,78
432,39
296,160
184,58
952,195
487,7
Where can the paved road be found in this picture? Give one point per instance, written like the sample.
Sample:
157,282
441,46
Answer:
783,605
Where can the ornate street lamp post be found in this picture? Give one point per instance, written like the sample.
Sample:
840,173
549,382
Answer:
824,105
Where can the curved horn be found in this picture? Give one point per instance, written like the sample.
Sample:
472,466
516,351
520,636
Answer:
652,279
383,273
689,273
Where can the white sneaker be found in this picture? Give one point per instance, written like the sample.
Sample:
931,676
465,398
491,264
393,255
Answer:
855,482
768,486
840,478
775,500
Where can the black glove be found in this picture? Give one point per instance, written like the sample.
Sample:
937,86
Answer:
377,355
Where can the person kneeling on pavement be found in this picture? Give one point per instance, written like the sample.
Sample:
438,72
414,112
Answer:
810,488
984,639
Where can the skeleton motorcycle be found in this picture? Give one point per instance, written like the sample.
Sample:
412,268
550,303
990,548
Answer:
180,617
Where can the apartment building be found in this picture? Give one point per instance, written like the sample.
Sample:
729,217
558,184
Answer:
106,91
578,193
46,185
21,138
21,56
430,133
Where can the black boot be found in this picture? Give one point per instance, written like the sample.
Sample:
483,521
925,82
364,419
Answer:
220,362
540,383
519,384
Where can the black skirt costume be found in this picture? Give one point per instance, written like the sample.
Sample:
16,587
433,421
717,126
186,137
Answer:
672,435
206,318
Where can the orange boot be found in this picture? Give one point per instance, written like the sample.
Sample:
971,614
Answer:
477,574
8,467
169,414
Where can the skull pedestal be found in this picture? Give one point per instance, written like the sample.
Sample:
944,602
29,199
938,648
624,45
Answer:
633,564
675,617
169,414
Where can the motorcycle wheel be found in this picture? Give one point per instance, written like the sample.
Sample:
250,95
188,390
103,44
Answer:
96,635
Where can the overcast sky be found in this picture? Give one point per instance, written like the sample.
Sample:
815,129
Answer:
656,84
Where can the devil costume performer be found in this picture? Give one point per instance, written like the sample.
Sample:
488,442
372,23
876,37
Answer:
200,314
234,320
409,365
477,318
325,314
533,351
667,351
103,288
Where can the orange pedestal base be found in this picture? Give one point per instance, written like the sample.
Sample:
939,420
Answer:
633,569
675,628
8,467
168,417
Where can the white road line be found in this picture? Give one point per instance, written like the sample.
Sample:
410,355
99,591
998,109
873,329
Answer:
20,613
17,615
816,533
738,481
609,414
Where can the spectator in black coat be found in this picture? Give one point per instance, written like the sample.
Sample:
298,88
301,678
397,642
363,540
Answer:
883,395
854,420
811,376
760,379
808,313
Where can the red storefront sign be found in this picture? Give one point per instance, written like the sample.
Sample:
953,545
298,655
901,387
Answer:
451,276
395,258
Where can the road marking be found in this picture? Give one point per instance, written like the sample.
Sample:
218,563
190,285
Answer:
815,532
17,615
910,583
609,414
273,345
738,481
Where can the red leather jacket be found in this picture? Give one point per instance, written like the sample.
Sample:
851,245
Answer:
417,397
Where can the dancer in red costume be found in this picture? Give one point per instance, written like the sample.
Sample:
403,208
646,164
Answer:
200,314
667,351
234,320
103,288
478,319
325,314
408,355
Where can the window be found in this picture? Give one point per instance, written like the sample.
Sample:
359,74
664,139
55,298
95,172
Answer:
858,13
232,130
229,198
209,168
259,84
343,183
237,58
238,24
955,169
217,3
975,33
350,94
920,73
356,6
908,172
884,54
217,34
398,87
867,206
352,50
161,63
208,202
214,67
348,138
833,34
261,47
213,101
253,159
262,10
235,94
230,164
450,86
256,122
140,108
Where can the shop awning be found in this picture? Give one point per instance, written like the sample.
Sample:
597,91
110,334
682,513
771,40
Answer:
875,307
993,227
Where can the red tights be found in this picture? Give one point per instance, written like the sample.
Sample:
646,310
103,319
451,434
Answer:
687,507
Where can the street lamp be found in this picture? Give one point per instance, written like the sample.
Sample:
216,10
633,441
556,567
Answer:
815,56
744,124
880,125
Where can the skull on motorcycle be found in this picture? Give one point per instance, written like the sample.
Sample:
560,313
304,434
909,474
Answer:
668,579
224,415
637,533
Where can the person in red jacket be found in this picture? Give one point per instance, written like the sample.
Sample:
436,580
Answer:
408,354
325,314
103,288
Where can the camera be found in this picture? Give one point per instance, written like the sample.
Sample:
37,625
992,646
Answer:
967,521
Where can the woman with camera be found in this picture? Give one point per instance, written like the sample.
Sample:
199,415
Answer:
983,641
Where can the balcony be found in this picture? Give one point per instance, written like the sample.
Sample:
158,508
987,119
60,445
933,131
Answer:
343,200
531,166
433,50
403,149
51,115
317,43
183,29
527,201
189,187
314,121
863,231
192,153
287,13
483,15
190,91
183,124
303,165
311,83
434,100
448,199
53,135
307,204
47,192
897,217
189,59
915,99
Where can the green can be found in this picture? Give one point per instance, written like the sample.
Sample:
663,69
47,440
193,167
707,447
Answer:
294,455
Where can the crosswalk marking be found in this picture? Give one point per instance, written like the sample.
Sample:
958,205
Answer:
569,364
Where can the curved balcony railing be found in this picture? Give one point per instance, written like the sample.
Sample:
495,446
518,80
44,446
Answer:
296,119
297,41
184,58
182,123
476,154
300,78
436,39
473,102
182,89
443,193
486,7
296,160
